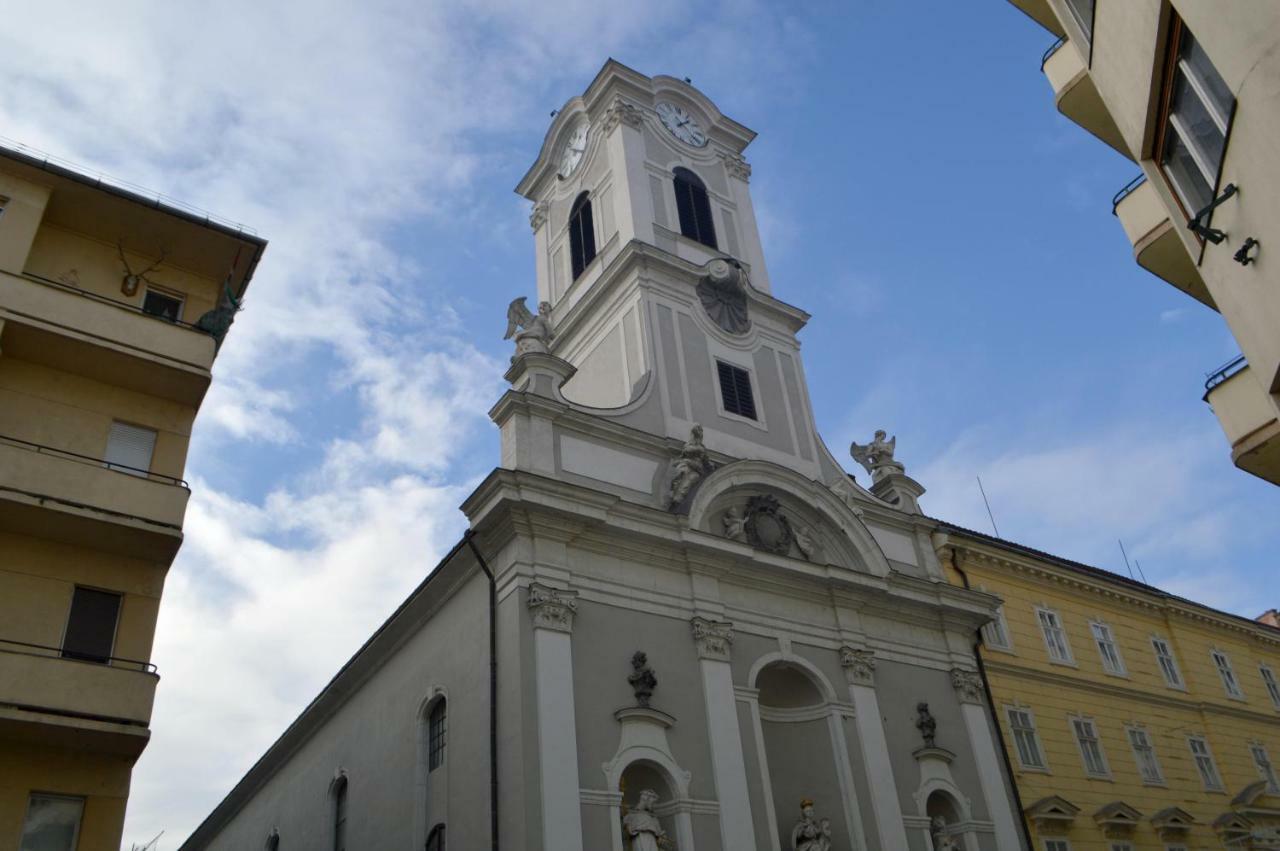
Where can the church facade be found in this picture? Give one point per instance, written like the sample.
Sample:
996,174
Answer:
675,620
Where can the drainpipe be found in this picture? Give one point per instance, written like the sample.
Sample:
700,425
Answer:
995,716
468,536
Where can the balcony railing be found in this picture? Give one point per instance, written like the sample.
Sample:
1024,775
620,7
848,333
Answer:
114,302
57,652
91,461
1222,373
1053,48
1125,191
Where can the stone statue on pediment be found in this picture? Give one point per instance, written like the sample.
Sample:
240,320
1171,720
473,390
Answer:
536,334
810,832
876,457
693,463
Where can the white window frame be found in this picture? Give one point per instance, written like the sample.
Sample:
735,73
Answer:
1117,667
1226,673
180,298
1158,779
1176,681
1211,780
1270,683
1266,768
1121,846
999,626
1056,843
1031,731
1104,766
1069,658
75,836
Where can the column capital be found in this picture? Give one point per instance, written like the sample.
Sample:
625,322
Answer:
968,686
621,112
714,639
736,165
552,608
859,666
538,216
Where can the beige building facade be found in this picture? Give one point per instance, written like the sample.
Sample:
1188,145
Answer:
112,308
1187,90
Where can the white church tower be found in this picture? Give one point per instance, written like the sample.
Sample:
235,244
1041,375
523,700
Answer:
702,628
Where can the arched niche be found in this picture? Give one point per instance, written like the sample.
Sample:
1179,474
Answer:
431,785
949,814
838,536
644,761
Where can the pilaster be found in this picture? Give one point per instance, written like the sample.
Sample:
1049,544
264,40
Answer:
859,669
973,708
552,611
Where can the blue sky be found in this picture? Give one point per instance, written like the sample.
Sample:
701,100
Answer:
917,192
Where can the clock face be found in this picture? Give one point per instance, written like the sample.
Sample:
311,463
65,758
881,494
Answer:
681,124
573,150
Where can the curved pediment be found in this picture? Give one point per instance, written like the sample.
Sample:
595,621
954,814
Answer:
777,510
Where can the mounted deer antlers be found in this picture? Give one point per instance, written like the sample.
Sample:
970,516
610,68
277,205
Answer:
129,282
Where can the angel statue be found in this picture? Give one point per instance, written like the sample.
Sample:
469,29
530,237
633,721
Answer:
690,467
642,827
537,327
810,834
877,456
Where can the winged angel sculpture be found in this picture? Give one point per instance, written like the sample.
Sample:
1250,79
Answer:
536,333
877,456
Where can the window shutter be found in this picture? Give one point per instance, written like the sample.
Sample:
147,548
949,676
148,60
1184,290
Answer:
735,390
129,448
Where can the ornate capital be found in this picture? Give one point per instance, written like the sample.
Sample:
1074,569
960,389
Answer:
859,666
736,166
621,111
968,686
713,638
539,214
552,608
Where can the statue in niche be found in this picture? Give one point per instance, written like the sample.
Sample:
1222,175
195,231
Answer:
536,335
724,296
810,833
692,464
942,840
926,724
876,457
218,321
735,524
642,827
642,679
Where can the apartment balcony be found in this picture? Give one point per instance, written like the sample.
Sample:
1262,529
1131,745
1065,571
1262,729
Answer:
1156,244
1041,12
45,697
1076,96
1250,417
51,493
65,327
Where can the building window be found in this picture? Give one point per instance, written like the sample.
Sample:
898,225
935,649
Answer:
1095,764
1168,667
996,633
1056,845
161,303
582,235
1082,11
129,448
1121,846
1107,648
435,736
91,625
1229,683
53,823
1023,728
1204,763
1145,754
735,390
340,815
694,208
435,839
1195,113
1269,680
1265,769
1055,638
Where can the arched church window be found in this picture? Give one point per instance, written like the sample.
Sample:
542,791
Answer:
435,839
582,235
340,815
694,208
435,736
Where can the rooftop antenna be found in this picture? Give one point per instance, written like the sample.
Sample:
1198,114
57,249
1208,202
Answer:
985,502
150,846
1138,565
1126,560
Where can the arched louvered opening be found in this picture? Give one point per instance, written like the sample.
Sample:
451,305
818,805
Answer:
435,839
582,235
694,208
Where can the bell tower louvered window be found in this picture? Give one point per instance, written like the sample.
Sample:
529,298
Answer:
694,208
582,235
735,390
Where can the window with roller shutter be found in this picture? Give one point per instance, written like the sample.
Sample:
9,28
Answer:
129,448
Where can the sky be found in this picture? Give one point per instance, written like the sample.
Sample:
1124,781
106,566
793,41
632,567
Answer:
916,191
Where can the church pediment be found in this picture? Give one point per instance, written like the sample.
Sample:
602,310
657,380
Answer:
1117,819
1053,814
1172,822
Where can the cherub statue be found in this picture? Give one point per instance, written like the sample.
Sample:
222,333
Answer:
877,456
642,827
735,524
810,834
537,332
690,467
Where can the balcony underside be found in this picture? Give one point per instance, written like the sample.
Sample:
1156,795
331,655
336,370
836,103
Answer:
1076,97
1040,12
1250,418
64,732
1157,247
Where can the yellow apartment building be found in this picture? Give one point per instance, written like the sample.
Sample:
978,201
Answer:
1131,718
1186,89
112,308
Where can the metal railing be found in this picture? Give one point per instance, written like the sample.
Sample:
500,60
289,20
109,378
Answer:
114,302
1126,191
1222,373
41,449
1053,48
46,651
